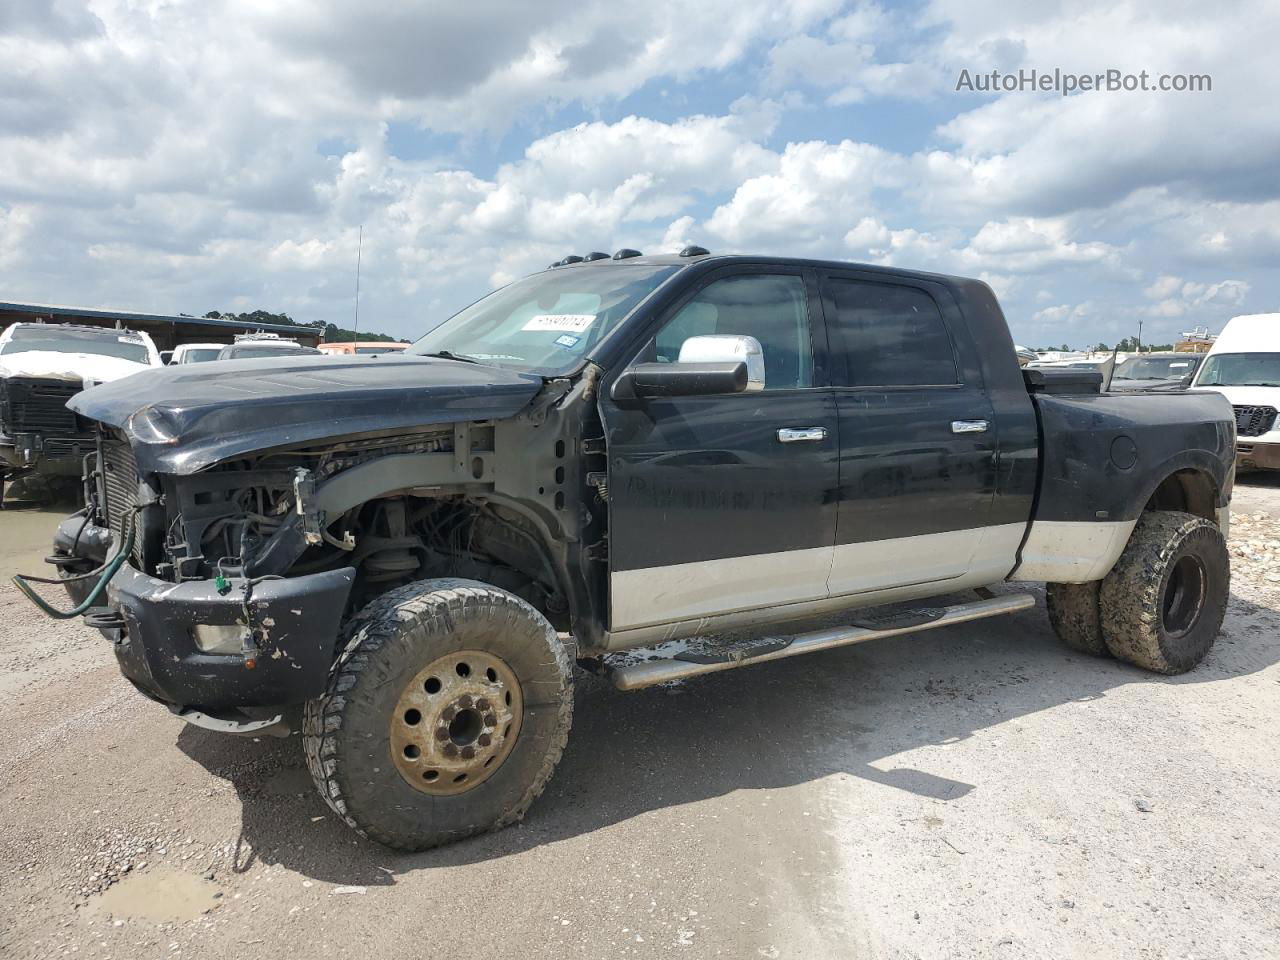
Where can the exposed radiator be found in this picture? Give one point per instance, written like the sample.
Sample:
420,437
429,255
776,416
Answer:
120,490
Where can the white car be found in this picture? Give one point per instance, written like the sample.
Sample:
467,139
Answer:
1244,365
195,352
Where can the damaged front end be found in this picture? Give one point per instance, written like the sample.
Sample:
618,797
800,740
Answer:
189,625
230,604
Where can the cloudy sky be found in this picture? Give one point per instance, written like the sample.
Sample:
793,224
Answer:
186,156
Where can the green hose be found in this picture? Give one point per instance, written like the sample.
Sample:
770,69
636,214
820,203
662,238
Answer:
108,572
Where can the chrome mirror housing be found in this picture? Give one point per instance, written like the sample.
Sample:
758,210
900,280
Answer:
727,348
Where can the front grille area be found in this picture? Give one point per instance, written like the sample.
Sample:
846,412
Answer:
120,490
40,406
67,449
1254,421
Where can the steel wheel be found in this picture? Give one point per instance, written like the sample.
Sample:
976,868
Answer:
455,722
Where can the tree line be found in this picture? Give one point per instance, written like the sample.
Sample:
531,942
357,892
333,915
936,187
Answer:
1127,345
331,332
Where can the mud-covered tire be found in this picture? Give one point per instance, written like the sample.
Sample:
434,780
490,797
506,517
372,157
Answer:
1076,617
346,732
1163,602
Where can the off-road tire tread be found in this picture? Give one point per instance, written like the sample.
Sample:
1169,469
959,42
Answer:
368,632
1131,594
1076,616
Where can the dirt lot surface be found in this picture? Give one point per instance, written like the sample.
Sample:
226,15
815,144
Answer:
977,791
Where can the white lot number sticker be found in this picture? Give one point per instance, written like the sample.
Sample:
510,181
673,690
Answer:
561,322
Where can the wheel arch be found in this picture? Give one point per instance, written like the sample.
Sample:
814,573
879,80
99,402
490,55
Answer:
1188,489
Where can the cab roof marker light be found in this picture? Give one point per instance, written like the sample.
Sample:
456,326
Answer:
626,253
693,250
572,258
595,255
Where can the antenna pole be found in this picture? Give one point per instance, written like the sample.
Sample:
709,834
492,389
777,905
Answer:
1139,335
355,324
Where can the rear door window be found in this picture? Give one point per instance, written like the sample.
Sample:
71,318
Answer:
890,335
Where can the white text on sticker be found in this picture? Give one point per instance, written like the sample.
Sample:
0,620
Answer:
571,322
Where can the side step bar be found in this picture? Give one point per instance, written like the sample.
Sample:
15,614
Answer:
636,676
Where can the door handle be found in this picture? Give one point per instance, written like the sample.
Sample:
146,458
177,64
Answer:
798,434
968,426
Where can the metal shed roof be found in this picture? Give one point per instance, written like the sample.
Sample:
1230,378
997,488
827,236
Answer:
172,329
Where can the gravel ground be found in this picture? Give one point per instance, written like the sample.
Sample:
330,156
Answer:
977,791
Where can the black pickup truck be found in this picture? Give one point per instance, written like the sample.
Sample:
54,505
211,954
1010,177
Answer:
402,556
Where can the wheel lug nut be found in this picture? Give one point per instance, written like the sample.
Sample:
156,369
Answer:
442,734
490,720
448,714
464,701
485,740
450,750
482,704
468,753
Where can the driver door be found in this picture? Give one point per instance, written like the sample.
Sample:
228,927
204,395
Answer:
725,503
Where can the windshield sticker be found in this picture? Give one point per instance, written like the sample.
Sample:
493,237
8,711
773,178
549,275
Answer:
568,322
567,340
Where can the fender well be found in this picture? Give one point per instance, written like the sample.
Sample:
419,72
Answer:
1190,491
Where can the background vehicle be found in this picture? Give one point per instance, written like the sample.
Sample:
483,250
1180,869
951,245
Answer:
1156,371
196,352
42,366
1244,366
246,348
624,451
371,348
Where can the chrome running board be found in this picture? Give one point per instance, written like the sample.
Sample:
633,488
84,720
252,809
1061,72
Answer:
636,676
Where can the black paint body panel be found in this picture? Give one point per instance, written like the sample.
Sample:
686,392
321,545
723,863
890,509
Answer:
704,478
182,419
1089,439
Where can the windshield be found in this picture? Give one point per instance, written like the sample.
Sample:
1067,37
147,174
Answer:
201,355
546,323
108,343
1241,370
242,353
1154,368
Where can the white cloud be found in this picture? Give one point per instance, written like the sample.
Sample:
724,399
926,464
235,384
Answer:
815,190
1177,297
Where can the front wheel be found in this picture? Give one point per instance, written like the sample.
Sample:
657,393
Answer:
1162,604
445,715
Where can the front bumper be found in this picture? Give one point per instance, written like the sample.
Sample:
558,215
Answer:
1251,455
150,623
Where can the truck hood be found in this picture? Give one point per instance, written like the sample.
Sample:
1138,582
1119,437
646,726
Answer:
56,365
182,419
1247,396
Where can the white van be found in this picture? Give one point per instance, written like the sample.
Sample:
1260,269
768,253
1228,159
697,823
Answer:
1244,366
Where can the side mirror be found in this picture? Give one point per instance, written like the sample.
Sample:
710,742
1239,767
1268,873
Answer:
166,357
706,366
680,380
727,348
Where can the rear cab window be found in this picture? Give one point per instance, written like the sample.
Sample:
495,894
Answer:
888,335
